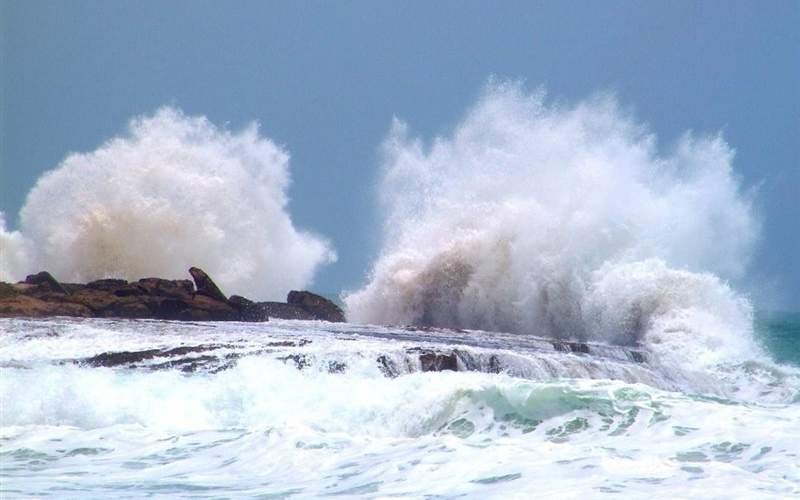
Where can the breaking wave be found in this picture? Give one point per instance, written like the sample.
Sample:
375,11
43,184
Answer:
174,192
566,221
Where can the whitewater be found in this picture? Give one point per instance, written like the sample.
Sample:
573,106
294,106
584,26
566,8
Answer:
309,409
553,312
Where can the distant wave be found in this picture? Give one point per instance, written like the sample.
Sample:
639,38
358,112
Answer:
566,221
176,191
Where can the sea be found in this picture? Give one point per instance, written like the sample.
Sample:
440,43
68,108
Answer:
104,408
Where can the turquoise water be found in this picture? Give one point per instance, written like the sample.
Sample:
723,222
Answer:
780,335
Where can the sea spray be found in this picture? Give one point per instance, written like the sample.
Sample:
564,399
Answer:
175,191
565,221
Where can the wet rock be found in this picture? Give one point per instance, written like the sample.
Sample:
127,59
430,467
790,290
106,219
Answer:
636,356
283,311
248,310
320,307
106,284
431,361
203,308
300,361
154,298
205,285
565,346
167,288
26,306
47,279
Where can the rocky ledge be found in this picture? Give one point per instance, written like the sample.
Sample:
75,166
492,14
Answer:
198,299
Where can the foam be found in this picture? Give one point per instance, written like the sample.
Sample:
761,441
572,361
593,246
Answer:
173,192
560,220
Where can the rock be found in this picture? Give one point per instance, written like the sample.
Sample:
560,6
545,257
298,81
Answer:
282,310
155,298
8,290
203,308
205,285
436,362
168,288
96,300
45,278
248,310
106,284
318,306
27,306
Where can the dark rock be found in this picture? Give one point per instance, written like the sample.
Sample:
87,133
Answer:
578,347
636,356
436,361
205,285
387,366
203,308
318,306
128,291
300,360
127,307
248,310
239,302
156,298
45,278
168,288
282,310
566,346
106,284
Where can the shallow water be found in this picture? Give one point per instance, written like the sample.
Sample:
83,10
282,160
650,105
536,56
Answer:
241,417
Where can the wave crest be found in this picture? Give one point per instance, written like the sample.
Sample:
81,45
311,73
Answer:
556,220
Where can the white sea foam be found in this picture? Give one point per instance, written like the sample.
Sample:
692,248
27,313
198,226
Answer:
565,221
175,191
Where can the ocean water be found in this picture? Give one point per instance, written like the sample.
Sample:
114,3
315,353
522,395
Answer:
294,409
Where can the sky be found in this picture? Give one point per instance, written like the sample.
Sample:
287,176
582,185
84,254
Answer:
325,79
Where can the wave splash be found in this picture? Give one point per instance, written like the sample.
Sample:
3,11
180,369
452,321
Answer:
176,191
563,221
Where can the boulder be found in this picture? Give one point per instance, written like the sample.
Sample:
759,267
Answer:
46,279
317,305
283,311
431,361
205,285
248,310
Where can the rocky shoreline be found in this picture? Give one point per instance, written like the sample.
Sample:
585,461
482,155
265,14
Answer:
198,299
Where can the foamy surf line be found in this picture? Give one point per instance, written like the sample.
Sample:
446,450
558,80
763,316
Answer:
237,409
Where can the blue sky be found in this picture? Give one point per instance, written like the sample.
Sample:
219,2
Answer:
324,79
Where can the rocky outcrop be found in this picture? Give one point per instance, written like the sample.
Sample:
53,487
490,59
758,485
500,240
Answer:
205,285
316,305
152,298
45,279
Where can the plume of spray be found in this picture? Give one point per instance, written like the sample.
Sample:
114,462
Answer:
174,192
563,221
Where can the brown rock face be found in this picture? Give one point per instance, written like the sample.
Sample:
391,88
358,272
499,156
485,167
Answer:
25,305
205,285
154,298
318,306
46,279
